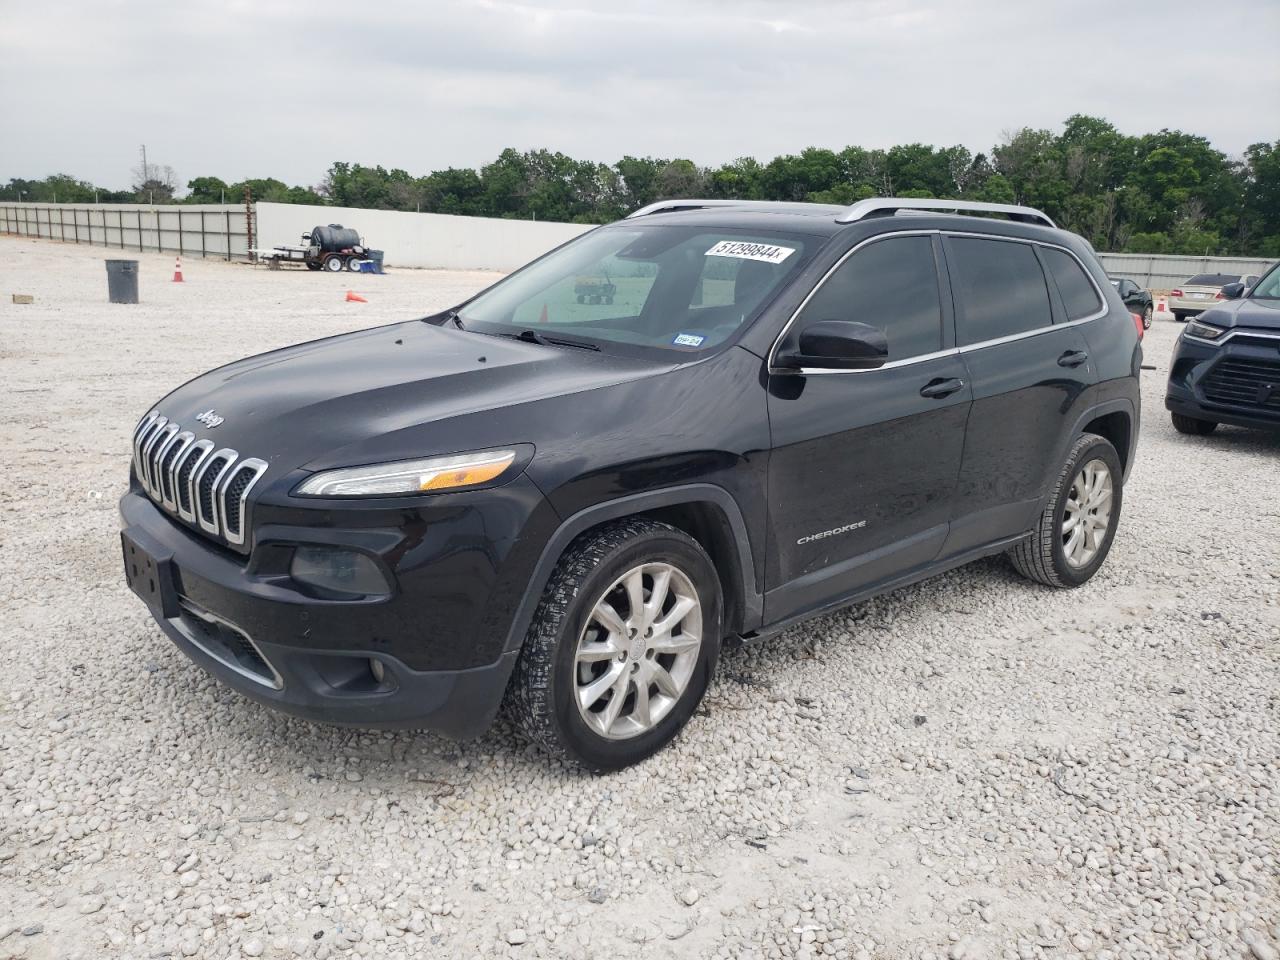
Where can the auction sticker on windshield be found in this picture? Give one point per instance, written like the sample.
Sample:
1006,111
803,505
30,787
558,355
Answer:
742,250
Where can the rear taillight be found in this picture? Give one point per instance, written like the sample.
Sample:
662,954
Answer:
1176,293
1137,322
1218,295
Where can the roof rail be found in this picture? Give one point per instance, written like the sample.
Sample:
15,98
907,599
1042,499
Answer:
670,206
877,206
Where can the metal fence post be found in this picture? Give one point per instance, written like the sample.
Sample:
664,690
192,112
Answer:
228,213
203,253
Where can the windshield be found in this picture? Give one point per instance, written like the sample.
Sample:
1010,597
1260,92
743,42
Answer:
1268,288
1212,279
674,288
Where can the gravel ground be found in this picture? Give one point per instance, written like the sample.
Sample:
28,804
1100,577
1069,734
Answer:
972,767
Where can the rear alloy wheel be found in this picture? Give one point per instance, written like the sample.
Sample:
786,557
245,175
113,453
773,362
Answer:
1078,524
1146,317
622,646
1197,428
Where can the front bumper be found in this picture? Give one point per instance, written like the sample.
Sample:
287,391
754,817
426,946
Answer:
1205,381
313,658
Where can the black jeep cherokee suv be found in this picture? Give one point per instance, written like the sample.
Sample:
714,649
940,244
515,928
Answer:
568,500
1226,364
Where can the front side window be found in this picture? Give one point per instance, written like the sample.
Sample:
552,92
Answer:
999,288
1268,288
639,288
891,284
1079,298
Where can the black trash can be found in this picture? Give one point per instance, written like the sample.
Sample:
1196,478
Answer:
122,281
376,257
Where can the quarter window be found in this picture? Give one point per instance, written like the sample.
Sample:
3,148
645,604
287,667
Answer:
1079,298
999,288
891,284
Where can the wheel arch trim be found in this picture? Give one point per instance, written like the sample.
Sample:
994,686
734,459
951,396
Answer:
596,514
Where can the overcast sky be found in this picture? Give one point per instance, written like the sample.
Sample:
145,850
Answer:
280,88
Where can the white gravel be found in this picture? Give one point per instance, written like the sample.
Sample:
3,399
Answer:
974,767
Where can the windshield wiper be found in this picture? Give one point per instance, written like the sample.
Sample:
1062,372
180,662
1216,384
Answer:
533,336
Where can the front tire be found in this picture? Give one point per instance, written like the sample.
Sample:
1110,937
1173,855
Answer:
333,263
1192,426
622,646
1078,525
1146,317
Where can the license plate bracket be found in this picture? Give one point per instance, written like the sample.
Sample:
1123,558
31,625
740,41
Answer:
148,570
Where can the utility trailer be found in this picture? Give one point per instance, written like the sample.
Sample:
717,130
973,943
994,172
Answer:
334,248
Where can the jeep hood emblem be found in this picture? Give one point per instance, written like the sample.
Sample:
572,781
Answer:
209,418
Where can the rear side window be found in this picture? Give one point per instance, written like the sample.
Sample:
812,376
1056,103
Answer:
1079,298
999,288
891,284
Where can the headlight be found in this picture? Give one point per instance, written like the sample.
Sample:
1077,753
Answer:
1203,331
409,476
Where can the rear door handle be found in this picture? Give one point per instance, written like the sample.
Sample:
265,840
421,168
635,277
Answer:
937,389
1073,358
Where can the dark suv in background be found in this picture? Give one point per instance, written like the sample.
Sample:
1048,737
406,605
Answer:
1226,364
569,502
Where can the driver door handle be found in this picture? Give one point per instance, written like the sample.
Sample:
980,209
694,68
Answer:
1073,358
937,389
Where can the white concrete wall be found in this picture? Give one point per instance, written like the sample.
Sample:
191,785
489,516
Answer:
1162,271
422,239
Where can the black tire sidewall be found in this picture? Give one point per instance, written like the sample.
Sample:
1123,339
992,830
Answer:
1097,449
594,751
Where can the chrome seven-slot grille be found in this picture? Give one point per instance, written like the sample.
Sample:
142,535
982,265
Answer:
204,486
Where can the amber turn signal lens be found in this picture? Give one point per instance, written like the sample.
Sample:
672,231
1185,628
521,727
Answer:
466,476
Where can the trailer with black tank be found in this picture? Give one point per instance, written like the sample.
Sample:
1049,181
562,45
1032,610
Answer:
333,248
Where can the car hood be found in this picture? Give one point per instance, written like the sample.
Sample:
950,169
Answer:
345,399
1259,314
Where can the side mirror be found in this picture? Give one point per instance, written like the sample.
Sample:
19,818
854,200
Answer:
838,345
1233,291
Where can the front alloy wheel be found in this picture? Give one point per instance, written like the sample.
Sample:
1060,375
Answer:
622,646
638,651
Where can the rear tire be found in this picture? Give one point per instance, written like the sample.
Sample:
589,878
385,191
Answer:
313,266
353,264
333,263
1078,525
561,695
1180,316
1192,426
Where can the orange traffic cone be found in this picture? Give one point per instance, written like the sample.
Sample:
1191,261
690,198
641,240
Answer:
353,297
177,270
542,317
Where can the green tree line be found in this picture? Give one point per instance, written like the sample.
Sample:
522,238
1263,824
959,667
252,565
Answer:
1165,192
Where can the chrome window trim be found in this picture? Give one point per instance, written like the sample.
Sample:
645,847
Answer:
277,683
923,358
772,355
259,467
200,450
213,525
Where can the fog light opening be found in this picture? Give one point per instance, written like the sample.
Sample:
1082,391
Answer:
378,671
